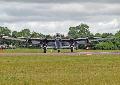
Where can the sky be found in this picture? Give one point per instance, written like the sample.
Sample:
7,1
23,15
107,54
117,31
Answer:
56,16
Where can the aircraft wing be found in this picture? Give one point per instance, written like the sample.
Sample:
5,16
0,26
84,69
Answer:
79,40
63,41
14,39
41,40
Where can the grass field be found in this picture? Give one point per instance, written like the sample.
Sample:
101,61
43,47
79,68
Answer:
25,50
62,70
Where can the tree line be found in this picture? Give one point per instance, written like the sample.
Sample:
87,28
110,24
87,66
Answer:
82,30
79,31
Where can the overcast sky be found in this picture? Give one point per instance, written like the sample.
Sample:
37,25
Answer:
56,16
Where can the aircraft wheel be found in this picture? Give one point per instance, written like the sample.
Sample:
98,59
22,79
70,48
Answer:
72,49
58,51
45,49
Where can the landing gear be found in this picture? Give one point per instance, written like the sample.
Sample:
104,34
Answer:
72,45
72,48
45,49
45,45
58,51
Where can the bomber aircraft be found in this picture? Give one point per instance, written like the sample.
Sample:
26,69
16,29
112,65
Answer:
58,43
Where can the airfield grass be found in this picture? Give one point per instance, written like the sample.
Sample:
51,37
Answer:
62,70
26,50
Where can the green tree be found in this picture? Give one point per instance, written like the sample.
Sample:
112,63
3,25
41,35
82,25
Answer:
107,35
5,31
117,35
37,35
116,41
97,35
79,31
15,34
24,33
48,36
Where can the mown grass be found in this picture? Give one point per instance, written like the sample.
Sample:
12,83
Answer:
62,70
25,50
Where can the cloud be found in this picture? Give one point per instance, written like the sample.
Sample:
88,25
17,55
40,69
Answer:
63,1
16,12
108,27
51,16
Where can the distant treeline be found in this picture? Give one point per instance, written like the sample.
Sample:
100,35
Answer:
74,32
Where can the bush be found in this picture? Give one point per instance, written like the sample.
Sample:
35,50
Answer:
106,46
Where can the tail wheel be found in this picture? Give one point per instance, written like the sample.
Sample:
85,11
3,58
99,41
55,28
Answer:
45,49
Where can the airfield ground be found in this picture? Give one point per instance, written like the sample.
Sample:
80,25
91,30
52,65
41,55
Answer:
26,68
